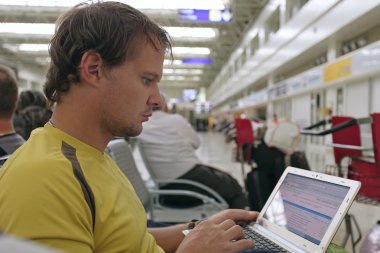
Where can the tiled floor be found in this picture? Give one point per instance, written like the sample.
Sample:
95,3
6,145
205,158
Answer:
216,152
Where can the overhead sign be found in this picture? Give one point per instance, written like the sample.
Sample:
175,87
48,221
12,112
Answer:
195,15
338,70
197,61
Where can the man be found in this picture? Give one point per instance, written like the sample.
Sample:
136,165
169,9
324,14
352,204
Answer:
61,188
169,142
32,111
9,139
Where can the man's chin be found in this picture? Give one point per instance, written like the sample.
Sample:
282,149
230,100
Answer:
135,132
130,133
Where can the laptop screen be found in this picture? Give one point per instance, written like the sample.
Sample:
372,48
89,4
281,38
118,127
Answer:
306,206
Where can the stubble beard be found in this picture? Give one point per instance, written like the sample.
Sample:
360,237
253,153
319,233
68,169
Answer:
120,127
130,130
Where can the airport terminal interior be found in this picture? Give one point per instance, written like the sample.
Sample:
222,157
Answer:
304,74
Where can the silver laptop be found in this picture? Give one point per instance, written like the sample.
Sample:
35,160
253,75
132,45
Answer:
303,212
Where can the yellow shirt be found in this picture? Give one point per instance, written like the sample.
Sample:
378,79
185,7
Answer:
40,198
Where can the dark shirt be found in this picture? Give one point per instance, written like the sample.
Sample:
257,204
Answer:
8,144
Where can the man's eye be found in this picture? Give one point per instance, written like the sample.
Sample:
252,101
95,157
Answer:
147,80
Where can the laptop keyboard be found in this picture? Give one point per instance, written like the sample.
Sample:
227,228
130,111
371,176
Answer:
262,244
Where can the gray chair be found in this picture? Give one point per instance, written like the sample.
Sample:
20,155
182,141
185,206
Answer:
3,159
157,182
122,154
10,244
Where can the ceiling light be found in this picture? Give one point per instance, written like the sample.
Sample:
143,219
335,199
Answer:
48,29
33,47
175,4
188,32
345,49
183,71
173,63
27,47
27,28
352,46
191,50
362,42
181,78
43,60
146,4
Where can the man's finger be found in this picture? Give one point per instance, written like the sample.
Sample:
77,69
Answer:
242,244
235,233
227,224
236,215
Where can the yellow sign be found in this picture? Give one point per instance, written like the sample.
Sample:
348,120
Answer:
338,70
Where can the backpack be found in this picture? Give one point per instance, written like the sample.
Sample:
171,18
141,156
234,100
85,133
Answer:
284,136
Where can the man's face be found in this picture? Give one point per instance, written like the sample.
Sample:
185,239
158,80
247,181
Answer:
131,91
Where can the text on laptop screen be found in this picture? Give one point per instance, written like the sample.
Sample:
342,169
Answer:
306,206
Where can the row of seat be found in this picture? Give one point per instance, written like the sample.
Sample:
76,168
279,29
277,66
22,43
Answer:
120,150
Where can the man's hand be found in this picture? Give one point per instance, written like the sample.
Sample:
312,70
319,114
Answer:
219,233
237,215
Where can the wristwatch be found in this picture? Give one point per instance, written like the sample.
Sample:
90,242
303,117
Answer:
192,224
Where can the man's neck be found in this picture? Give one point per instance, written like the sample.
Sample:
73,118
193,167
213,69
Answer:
6,126
80,127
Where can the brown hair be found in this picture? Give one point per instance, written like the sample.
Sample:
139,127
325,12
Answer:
112,29
8,91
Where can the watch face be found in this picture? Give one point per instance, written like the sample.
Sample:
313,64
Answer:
186,232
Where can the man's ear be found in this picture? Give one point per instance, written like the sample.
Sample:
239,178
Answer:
90,66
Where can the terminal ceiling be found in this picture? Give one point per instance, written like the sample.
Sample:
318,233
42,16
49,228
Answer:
228,37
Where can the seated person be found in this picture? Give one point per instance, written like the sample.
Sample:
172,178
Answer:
169,143
32,111
9,139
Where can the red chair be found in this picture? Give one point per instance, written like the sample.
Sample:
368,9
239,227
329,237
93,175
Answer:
347,143
347,136
244,142
367,170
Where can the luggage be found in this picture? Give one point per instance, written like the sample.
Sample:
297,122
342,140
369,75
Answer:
255,195
298,159
261,181
284,136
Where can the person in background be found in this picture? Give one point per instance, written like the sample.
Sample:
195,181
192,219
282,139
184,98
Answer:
32,111
61,188
169,143
9,139
275,119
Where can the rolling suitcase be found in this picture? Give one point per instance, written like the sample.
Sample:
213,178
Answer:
298,159
261,181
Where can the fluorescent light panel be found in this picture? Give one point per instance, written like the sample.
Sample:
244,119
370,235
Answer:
33,47
183,71
196,33
181,78
193,33
182,64
27,28
172,63
139,4
191,50
27,47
